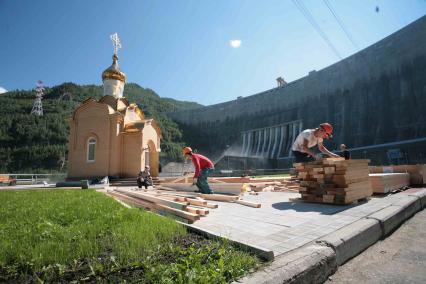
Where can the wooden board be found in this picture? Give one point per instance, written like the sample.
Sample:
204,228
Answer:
219,197
248,203
187,217
221,188
196,210
153,199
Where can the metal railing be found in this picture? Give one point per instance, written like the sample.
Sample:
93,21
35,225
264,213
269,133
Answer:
35,178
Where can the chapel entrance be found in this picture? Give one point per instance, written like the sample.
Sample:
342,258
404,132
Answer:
152,158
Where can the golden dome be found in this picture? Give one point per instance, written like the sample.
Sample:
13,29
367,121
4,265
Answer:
113,72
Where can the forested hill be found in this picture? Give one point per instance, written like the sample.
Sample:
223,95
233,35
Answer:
33,144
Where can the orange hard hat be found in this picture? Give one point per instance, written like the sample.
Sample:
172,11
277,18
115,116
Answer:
328,128
186,150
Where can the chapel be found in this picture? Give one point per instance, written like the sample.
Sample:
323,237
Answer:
111,136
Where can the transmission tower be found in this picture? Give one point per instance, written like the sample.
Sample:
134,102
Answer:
37,106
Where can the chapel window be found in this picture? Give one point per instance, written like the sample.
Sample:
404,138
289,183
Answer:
91,145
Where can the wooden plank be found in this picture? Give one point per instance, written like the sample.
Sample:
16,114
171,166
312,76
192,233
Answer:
187,215
221,188
131,200
328,198
197,202
342,161
153,199
329,170
158,208
231,179
211,205
344,182
182,179
248,203
219,197
197,210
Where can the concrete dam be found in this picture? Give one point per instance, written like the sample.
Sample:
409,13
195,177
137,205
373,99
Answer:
375,99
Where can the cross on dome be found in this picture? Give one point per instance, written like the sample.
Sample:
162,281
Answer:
115,42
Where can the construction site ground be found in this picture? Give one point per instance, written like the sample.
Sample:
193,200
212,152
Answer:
282,225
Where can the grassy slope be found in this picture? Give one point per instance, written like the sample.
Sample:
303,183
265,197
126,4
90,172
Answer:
74,234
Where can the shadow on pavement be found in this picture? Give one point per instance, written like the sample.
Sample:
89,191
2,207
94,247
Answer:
325,209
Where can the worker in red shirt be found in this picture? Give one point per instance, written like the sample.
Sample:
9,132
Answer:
203,168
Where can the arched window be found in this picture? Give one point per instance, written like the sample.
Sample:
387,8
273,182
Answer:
91,145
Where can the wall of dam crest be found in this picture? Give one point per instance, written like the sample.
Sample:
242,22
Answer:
375,96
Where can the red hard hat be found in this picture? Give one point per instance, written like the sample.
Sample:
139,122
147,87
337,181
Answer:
186,150
328,128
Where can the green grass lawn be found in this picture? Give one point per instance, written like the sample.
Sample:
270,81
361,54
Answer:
83,235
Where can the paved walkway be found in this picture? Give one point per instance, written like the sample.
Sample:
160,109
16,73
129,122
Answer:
281,225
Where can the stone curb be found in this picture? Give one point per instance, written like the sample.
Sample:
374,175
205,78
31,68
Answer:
422,197
315,262
310,264
393,216
349,241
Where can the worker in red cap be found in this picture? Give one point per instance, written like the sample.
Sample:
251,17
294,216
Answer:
308,138
203,168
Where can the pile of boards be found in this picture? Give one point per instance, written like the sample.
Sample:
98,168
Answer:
417,173
288,184
186,207
334,180
239,185
387,182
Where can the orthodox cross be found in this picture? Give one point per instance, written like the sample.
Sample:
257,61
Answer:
115,42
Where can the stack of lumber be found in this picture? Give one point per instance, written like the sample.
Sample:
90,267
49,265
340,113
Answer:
184,206
417,173
334,180
387,182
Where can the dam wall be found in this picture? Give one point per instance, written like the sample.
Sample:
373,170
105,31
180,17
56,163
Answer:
374,97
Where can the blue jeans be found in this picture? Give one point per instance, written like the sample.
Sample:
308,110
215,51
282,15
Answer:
202,182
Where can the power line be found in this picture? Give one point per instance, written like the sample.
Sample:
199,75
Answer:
305,12
340,22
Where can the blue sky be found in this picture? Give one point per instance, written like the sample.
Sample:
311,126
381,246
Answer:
181,49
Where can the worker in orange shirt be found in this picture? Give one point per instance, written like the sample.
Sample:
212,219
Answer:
203,168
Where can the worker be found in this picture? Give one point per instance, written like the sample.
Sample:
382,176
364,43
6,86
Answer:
345,152
144,178
203,168
307,139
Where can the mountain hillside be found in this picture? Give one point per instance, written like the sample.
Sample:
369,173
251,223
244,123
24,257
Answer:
34,144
